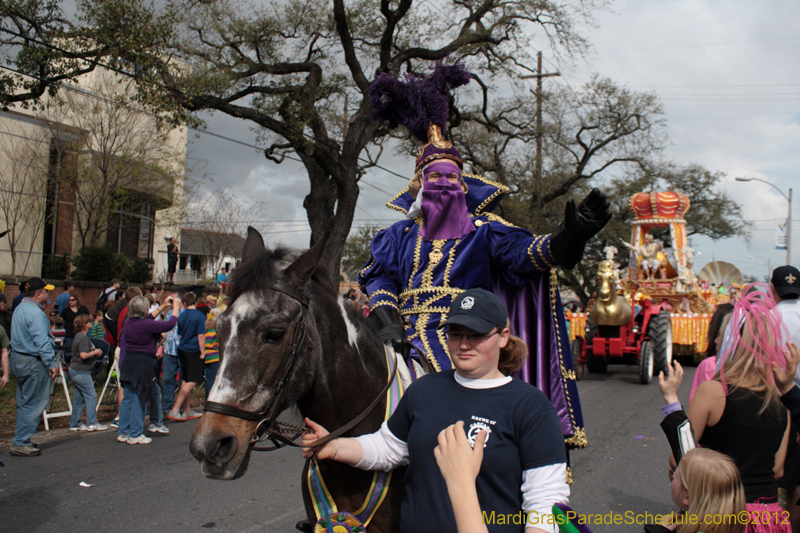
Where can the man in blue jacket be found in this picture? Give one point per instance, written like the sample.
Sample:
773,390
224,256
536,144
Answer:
33,364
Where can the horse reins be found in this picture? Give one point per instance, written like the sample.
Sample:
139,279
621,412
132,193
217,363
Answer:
275,430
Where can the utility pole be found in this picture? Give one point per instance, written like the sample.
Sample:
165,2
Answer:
538,93
789,231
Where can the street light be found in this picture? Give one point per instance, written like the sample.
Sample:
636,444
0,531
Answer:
769,267
788,219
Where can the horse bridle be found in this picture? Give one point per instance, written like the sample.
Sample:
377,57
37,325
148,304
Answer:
273,429
266,417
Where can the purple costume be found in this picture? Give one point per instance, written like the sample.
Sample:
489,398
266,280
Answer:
419,278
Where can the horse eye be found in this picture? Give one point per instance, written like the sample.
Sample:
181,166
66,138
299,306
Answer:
273,336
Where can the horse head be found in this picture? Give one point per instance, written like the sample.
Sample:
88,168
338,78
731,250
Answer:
605,281
262,337
610,309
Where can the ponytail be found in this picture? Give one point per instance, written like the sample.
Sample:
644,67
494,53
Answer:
512,355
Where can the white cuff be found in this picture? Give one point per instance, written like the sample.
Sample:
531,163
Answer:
382,450
541,488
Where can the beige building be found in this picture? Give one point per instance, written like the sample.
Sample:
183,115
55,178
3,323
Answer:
91,169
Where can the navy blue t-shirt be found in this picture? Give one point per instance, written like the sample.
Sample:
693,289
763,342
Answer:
191,323
524,433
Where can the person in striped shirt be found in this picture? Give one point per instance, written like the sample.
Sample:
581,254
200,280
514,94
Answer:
97,331
212,349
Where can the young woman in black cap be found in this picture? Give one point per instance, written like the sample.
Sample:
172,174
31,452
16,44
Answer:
524,463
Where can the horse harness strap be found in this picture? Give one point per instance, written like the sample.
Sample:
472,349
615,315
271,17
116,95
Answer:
345,428
266,418
299,342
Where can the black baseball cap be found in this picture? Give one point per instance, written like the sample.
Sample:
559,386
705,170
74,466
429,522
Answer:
478,310
34,284
786,280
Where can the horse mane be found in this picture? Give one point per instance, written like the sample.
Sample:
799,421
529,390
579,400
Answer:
263,270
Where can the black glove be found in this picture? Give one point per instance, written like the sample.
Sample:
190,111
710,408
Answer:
569,240
392,329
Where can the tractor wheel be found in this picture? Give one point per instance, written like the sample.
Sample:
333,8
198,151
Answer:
646,362
575,348
597,365
660,332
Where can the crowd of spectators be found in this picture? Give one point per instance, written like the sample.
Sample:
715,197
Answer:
141,329
742,415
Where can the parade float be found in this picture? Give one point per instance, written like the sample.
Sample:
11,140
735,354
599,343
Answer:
653,311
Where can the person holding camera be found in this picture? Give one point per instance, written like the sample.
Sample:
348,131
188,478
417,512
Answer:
140,363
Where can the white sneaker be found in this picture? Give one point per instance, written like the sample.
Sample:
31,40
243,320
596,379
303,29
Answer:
141,439
122,438
97,427
82,427
158,429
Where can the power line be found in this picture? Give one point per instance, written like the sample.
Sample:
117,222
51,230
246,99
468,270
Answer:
699,45
730,94
183,93
709,86
676,99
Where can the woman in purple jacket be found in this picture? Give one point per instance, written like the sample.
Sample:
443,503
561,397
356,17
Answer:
139,365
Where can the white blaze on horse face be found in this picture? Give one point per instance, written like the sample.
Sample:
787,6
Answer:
223,390
352,332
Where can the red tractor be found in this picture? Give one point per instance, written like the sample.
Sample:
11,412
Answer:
646,340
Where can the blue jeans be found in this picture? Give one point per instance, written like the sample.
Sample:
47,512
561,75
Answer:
211,375
156,413
33,391
131,417
83,385
172,380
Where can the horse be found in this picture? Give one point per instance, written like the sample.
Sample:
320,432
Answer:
610,309
339,367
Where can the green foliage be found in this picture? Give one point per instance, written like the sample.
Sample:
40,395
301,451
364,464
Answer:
139,270
99,263
357,250
298,70
56,266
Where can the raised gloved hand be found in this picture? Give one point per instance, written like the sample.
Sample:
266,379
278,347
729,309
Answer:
392,329
580,224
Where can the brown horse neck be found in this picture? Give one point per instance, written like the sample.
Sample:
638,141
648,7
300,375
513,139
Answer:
345,382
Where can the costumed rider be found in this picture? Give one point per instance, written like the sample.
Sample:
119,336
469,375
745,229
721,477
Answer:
649,252
452,242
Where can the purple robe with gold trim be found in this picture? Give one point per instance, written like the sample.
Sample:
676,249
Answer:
420,278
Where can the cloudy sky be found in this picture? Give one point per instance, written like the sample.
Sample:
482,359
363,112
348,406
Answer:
726,71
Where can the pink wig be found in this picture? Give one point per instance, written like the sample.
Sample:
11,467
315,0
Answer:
765,337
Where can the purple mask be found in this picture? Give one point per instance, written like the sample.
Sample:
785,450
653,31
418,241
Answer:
444,206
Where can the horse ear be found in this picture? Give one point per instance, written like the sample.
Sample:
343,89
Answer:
253,246
299,272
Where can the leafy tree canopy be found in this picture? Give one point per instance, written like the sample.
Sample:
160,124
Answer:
298,70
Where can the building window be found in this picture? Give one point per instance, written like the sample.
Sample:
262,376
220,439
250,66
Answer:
130,232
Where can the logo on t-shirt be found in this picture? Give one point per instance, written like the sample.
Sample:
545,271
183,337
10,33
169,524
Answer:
476,427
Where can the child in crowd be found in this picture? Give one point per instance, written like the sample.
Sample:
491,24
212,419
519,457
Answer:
59,333
97,331
706,485
80,371
712,487
212,349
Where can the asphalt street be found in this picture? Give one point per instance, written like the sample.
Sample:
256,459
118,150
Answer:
159,487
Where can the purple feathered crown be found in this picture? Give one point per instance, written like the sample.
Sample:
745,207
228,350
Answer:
421,105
